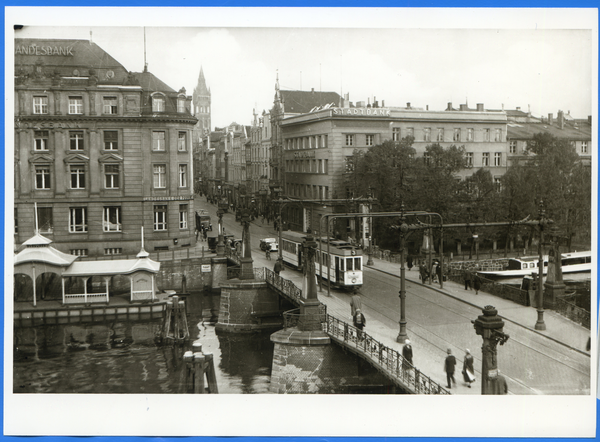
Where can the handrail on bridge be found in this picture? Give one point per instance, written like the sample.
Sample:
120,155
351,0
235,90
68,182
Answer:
388,360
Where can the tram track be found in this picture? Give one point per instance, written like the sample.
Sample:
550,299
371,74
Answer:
422,331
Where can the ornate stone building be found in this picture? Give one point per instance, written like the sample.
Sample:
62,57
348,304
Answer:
102,152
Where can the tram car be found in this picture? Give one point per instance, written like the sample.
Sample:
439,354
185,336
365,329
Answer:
344,260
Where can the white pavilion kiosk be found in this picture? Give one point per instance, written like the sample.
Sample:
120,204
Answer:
141,271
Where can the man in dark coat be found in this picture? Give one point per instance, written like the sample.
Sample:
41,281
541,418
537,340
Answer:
278,267
449,365
407,355
467,276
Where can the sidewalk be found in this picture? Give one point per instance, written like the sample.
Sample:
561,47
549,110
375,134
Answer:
558,328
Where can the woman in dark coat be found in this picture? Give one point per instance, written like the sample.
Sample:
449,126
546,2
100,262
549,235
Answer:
468,367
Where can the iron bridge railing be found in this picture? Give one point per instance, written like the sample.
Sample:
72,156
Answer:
285,286
388,360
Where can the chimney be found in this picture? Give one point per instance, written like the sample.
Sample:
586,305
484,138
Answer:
463,107
376,104
479,107
382,103
561,119
312,90
449,108
550,119
518,108
589,119
408,105
369,102
529,110
427,107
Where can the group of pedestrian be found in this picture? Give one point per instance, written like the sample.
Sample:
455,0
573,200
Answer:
468,370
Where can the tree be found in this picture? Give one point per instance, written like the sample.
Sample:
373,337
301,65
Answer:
554,174
382,172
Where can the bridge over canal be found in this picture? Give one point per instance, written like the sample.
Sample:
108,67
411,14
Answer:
385,359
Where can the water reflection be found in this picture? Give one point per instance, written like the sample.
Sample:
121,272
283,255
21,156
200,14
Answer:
127,357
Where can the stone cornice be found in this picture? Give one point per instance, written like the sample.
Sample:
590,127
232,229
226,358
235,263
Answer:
112,119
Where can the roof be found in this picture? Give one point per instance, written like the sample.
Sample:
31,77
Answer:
112,267
151,82
38,249
301,102
68,58
581,132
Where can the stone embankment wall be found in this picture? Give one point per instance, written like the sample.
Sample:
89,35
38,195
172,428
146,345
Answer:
171,275
323,369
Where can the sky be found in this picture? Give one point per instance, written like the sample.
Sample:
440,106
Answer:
544,69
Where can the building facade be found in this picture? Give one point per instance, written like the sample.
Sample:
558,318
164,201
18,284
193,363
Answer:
101,151
318,146
577,131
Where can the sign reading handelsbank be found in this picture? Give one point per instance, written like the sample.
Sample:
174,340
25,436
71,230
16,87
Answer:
44,50
362,111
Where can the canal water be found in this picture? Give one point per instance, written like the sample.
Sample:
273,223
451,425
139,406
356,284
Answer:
124,356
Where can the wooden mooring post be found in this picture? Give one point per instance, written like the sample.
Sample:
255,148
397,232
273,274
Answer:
175,325
199,367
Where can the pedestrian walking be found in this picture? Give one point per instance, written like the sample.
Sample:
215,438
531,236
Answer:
439,272
434,271
355,303
423,273
468,371
407,355
278,267
205,234
499,385
359,322
449,365
476,283
468,277
409,262
268,251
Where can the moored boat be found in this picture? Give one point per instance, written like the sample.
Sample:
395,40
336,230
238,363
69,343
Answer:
526,265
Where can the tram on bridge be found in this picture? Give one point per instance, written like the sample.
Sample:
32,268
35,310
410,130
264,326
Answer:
344,260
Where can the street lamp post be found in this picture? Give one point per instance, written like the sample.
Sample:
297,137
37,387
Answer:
540,324
220,244
370,258
402,335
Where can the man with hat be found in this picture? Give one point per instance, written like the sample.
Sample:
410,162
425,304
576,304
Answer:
449,365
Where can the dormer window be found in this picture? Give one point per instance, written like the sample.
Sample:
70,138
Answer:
181,104
158,103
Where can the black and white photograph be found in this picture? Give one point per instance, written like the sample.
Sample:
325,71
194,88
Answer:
221,219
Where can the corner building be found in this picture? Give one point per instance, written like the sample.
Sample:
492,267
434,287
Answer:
102,151
317,146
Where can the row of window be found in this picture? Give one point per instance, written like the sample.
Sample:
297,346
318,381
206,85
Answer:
112,172
307,166
110,104
110,139
485,159
512,147
312,142
352,141
458,134
111,219
308,191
